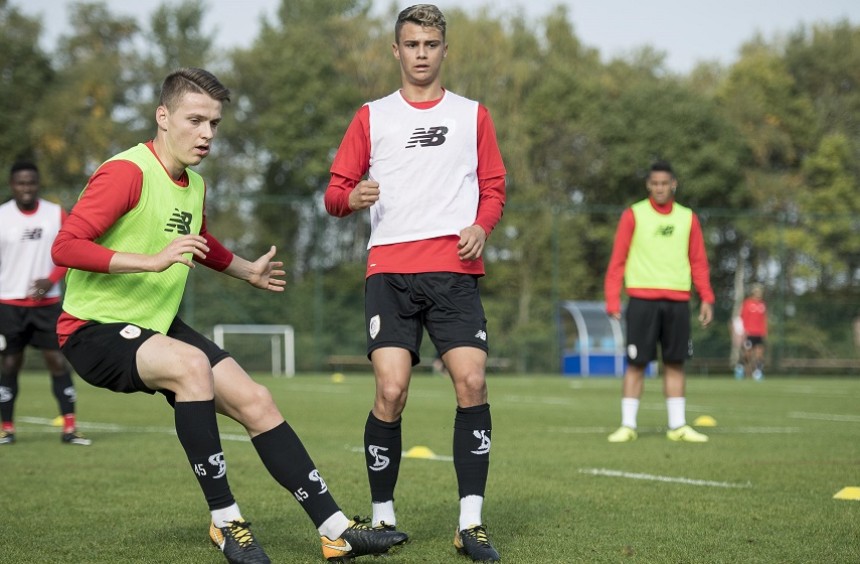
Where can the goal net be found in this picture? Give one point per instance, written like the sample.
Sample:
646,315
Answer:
249,349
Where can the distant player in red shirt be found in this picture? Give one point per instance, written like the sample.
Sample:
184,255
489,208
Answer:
754,318
30,299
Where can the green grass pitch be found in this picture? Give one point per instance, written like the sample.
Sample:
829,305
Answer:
760,491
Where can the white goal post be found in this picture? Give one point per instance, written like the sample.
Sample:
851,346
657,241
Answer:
282,340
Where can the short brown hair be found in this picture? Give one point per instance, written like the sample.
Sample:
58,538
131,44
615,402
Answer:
425,15
184,80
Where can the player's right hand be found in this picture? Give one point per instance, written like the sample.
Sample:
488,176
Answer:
176,251
364,195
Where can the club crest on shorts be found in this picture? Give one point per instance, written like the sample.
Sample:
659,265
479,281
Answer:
130,332
632,351
373,327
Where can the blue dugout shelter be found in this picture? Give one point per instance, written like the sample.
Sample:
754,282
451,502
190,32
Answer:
592,343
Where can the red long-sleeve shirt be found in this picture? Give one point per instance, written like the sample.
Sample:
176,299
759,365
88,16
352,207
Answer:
754,317
439,254
111,192
614,281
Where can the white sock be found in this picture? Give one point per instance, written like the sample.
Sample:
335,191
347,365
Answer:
676,408
470,511
629,411
383,511
223,516
334,526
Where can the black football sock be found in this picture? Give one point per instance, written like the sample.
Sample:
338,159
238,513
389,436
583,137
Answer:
197,429
8,393
472,430
289,463
64,391
383,448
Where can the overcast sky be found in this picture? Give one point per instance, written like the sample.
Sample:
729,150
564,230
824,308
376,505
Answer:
688,31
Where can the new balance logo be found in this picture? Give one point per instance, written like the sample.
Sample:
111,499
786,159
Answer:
484,447
33,234
179,222
665,230
430,137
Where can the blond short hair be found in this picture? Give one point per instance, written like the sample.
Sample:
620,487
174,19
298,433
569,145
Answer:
425,15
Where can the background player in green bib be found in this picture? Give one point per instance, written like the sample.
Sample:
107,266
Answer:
129,242
658,256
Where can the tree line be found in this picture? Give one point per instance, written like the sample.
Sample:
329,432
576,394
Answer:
766,150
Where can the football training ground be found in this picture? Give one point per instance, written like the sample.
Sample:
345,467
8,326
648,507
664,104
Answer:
768,487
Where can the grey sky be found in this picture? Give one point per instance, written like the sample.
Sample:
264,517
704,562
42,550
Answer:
688,31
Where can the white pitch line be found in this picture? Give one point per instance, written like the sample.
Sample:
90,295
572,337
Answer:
825,417
321,388
655,430
652,477
766,430
114,428
537,400
582,430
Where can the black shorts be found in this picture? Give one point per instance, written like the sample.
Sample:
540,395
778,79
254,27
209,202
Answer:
105,355
753,340
397,308
21,326
658,321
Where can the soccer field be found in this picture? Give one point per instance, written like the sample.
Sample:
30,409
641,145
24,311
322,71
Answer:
762,490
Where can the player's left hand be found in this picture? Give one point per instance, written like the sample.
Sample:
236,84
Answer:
706,314
39,288
471,244
266,274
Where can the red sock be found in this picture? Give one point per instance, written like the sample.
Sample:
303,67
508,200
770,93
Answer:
69,423
9,426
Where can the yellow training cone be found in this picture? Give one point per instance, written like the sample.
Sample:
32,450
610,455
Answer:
338,378
419,452
58,421
705,421
850,493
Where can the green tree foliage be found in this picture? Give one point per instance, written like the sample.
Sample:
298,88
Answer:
296,84
83,118
174,39
765,150
831,207
25,73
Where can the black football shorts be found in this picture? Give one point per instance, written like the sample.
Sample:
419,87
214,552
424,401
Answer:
35,326
104,354
650,322
397,308
752,340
